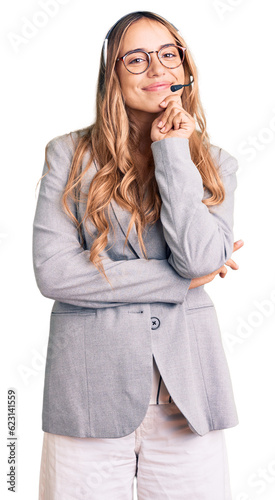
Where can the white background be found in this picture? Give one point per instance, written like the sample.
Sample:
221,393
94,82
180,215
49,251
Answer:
48,89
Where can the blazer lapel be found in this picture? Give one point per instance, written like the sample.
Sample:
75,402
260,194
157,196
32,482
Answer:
121,215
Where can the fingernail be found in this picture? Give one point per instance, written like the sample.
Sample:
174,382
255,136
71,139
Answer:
163,128
160,124
163,103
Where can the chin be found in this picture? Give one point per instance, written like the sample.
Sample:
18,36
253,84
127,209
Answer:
149,108
153,107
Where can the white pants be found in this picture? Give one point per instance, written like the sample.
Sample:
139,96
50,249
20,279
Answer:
168,459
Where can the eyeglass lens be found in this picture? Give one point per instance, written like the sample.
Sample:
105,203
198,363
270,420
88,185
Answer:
138,62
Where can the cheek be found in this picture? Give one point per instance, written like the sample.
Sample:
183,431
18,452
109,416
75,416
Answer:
130,92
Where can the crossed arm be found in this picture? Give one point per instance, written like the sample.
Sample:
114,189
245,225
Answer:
200,240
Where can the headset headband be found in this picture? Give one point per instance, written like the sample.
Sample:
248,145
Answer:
105,43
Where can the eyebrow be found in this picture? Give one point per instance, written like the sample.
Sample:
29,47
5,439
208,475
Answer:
142,48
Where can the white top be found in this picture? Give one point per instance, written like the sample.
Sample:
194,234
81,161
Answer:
159,394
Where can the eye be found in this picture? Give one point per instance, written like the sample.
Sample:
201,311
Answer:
169,55
169,52
136,61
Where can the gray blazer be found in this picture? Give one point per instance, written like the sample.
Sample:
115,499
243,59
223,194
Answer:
98,374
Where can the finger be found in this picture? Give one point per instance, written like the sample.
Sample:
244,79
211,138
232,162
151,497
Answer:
223,271
178,122
238,244
182,121
175,118
167,113
169,104
177,104
231,263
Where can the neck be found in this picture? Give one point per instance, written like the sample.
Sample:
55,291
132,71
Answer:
143,121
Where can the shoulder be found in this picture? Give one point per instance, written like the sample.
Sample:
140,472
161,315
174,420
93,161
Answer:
65,144
59,152
225,162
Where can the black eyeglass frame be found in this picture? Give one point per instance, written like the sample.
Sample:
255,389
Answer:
149,56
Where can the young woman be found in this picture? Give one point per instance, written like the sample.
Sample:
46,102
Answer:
134,217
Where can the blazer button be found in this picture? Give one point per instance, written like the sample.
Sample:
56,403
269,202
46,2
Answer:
155,322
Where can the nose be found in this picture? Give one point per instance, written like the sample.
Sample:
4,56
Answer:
155,66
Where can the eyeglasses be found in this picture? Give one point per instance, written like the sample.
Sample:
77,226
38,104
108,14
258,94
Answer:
137,61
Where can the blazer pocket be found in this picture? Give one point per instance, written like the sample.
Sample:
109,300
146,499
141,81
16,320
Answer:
66,340
190,310
197,298
203,322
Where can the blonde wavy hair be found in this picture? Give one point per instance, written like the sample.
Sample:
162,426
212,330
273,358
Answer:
112,143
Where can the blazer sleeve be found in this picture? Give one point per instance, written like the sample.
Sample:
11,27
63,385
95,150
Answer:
200,238
62,267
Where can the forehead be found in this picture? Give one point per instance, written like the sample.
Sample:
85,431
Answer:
147,34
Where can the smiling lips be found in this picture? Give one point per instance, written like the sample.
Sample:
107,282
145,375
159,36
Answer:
157,86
